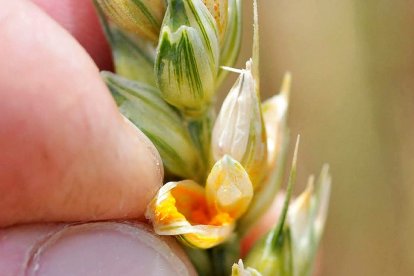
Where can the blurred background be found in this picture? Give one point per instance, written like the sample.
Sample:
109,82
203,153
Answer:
353,104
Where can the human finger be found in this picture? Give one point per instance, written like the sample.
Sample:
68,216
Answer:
65,152
79,18
103,248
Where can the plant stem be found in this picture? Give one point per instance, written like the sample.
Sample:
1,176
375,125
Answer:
224,256
200,129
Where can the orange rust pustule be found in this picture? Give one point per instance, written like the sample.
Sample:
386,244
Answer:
192,205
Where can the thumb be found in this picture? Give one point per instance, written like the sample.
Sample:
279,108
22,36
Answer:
103,248
65,152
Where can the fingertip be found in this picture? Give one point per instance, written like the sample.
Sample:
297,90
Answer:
90,249
66,155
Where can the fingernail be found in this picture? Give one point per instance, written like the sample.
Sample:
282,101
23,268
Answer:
106,248
16,244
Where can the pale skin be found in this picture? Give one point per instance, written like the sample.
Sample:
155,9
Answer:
66,154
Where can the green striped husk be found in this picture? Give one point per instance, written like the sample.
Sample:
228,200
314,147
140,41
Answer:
187,56
133,57
142,17
230,47
143,106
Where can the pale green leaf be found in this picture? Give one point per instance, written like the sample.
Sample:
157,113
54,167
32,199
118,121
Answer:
144,107
272,255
